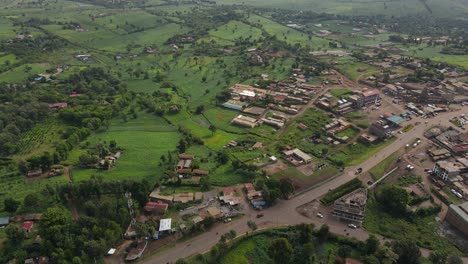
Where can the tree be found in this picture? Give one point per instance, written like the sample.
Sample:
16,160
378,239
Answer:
286,187
345,251
11,205
212,129
200,109
323,233
222,157
56,225
205,184
15,235
372,244
394,199
31,200
438,257
281,251
87,160
408,251
252,225
454,260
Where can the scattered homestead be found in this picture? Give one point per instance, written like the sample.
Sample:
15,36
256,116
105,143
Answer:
296,157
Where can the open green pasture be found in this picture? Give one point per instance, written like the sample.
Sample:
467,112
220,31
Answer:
289,35
358,152
144,140
434,54
234,30
424,230
23,72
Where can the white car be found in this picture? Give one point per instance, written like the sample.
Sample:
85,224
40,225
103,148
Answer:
353,226
319,215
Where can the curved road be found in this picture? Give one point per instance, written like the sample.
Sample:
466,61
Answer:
284,213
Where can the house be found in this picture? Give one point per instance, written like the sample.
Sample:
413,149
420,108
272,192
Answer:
156,207
165,226
395,120
258,145
183,198
58,105
155,196
4,221
457,216
379,130
439,154
302,126
368,139
297,157
34,173
351,207
27,226
198,172
184,156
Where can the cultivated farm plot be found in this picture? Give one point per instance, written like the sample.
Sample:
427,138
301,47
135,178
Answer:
356,153
129,21
434,54
22,72
40,138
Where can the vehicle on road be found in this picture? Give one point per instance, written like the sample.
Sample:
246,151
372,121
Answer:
319,215
358,170
259,215
353,226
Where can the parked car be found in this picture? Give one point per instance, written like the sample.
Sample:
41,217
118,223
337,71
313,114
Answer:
353,226
319,215
358,170
259,215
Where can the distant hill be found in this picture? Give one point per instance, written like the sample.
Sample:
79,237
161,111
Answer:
439,8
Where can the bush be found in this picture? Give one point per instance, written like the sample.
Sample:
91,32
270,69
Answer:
333,195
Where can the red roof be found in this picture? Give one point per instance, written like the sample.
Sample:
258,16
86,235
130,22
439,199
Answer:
27,226
58,105
229,190
184,170
352,261
371,92
73,94
151,206
200,172
186,156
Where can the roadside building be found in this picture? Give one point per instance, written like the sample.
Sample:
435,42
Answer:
165,226
297,157
351,207
155,196
368,139
27,226
380,131
457,216
447,170
214,212
439,154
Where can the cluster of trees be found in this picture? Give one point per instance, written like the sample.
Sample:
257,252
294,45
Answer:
303,244
187,139
68,239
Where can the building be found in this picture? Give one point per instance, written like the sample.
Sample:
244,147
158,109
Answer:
395,120
165,226
439,154
447,170
296,157
379,130
155,196
27,226
457,216
368,139
351,207
244,121
453,141
34,173
156,207
4,221
365,97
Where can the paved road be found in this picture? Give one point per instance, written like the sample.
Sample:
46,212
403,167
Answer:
284,213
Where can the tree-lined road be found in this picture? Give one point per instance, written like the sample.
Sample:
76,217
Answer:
285,213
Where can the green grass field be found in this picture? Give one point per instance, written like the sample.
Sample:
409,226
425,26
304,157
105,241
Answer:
379,170
143,140
289,35
434,54
357,153
424,231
